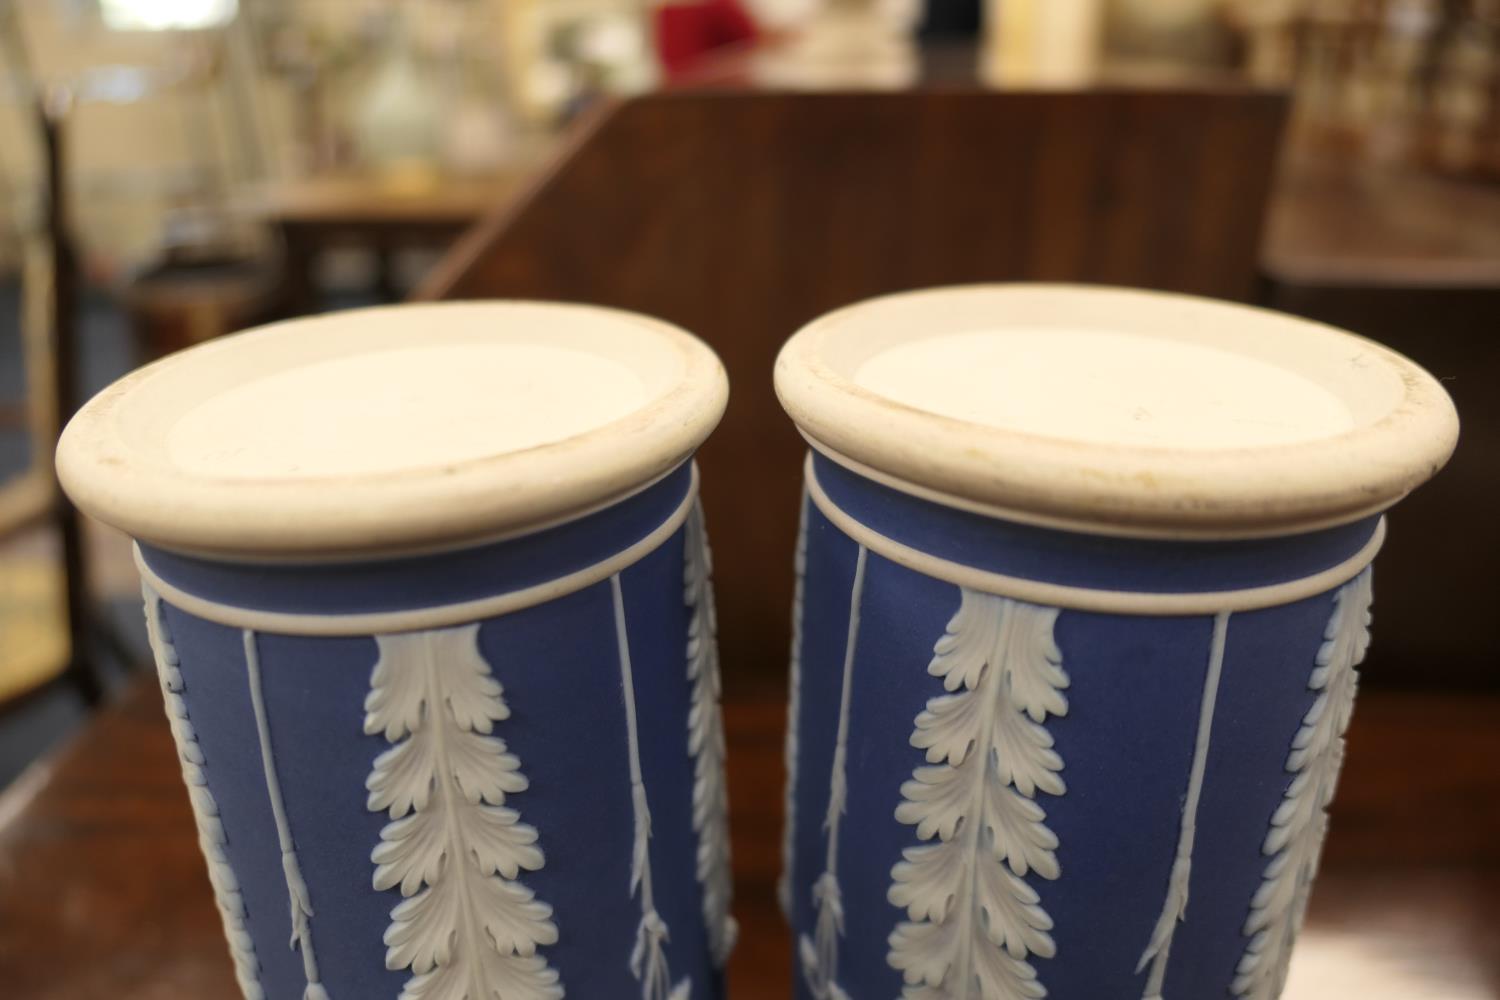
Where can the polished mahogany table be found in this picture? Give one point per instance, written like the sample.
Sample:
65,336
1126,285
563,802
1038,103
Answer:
103,893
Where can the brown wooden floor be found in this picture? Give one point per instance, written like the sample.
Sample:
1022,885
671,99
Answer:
103,895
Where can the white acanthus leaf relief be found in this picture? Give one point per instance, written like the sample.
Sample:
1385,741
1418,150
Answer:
648,956
706,741
793,720
973,920
466,928
212,839
1295,841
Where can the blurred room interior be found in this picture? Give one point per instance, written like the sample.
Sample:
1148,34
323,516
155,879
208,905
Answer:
174,170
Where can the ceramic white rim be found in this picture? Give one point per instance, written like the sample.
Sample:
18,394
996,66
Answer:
116,458
1111,602
1402,424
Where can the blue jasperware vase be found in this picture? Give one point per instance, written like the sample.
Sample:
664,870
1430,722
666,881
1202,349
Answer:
1083,581
428,590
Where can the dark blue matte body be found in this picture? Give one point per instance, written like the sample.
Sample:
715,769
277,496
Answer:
428,580
1127,740
559,668
1079,560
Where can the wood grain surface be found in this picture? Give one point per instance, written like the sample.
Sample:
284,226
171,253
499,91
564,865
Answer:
103,894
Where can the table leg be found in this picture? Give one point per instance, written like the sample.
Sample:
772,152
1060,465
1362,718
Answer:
385,275
298,290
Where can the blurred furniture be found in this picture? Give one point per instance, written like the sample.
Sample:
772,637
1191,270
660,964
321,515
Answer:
51,332
1411,259
33,625
742,215
106,893
26,498
1338,220
319,213
33,611
183,300
211,273
1411,81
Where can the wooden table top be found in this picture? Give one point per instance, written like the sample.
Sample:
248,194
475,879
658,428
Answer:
360,198
103,892
1336,220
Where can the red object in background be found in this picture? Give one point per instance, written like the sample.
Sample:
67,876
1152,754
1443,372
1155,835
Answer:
688,30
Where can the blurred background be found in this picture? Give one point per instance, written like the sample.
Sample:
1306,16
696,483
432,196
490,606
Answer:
173,170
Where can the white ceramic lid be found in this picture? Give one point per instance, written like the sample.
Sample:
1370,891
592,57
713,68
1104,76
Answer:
391,429
1116,411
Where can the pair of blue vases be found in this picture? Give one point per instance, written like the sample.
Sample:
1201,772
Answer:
429,593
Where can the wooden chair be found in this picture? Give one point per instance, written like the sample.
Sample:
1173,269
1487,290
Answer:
26,497
742,215
33,632
34,498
